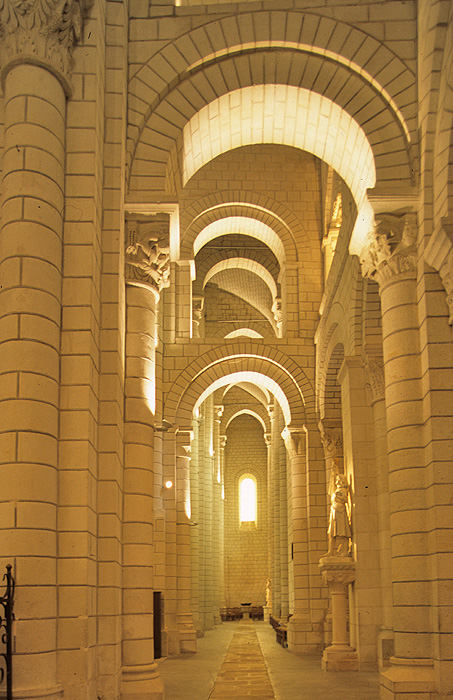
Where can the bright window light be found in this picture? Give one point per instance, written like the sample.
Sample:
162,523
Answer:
247,499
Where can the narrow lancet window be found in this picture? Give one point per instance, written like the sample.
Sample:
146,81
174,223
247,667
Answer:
247,499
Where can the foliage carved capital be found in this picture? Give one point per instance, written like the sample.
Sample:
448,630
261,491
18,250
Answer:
147,254
390,249
43,32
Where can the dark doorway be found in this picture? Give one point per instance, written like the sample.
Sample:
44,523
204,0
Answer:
157,609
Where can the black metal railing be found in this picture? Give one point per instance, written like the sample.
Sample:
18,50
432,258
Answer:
6,631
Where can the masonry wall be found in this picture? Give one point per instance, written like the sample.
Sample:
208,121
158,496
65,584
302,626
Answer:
246,565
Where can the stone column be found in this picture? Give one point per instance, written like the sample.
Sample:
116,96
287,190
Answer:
374,368
389,257
201,528
208,512
147,261
195,532
222,445
187,634
270,510
338,573
274,524
35,57
217,494
284,555
299,623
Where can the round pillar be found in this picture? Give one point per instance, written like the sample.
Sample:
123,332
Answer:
187,633
389,257
30,311
299,625
145,242
338,573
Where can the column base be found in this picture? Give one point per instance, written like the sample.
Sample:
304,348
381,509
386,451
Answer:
141,683
407,679
340,657
209,622
187,633
188,641
41,693
171,642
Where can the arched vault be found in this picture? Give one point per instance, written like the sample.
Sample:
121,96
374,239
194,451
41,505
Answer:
241,362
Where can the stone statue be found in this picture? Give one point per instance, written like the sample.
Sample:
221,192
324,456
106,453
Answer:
339,531
268,592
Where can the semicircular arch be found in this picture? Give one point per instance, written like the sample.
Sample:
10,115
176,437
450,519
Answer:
240,360
242,225
243,264
381,101
253,205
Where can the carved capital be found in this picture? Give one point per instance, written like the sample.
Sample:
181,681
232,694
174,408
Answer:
43,32
277,311
337,572
147,254
218,412
183,443
223,441
197,308
332,440
374,369
267,439
390,249
295,441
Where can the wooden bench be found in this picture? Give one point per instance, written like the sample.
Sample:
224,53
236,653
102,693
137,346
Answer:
281,630
281,635
228,614
257,613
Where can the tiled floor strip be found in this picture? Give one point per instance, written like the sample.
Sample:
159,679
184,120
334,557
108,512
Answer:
243,673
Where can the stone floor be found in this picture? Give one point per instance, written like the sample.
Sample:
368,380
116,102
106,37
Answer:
242,660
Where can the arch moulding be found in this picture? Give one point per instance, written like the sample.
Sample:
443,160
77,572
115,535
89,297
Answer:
246,362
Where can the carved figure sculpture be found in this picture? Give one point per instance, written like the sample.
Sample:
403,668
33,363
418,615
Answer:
268,592
150,260
339,531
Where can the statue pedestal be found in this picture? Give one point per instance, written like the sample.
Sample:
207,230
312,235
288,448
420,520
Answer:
266,612
338,572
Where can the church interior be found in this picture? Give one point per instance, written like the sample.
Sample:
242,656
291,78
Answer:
226,309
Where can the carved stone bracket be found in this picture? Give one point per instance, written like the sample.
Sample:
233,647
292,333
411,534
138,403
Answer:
337,572
147,253
43,32
390,249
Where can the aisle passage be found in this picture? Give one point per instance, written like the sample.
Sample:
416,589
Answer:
243,673
242,660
